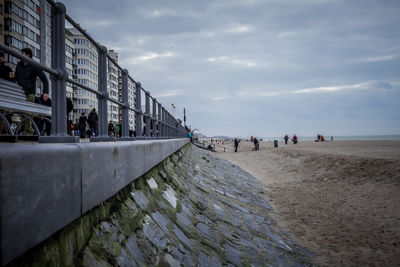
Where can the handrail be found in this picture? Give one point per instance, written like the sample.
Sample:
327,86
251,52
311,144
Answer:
163,124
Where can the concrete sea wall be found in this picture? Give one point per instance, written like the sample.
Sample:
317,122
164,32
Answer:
45,187
192,209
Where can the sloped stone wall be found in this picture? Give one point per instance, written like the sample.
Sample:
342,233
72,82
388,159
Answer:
193,209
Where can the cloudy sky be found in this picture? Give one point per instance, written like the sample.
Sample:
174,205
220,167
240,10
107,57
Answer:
260,67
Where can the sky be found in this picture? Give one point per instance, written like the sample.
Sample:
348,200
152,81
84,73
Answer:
260,67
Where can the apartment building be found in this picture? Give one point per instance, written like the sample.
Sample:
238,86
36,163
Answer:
113,87
22,27
84,71
69,51
26,23
2,21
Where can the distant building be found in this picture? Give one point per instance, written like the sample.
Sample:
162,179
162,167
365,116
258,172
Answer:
85,69
2,21
21,25
113,87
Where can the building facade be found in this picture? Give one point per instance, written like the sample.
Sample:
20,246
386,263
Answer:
27,25
84,70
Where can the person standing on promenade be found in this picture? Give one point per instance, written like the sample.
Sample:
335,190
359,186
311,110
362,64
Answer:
93,122
82,125
25,75
190,136
110,128
286,139
236,144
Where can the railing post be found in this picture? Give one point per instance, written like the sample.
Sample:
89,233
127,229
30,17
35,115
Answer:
138,126
169,124
159,124
154,118
163,127
147,112
166,124
102,98
125,108
59,107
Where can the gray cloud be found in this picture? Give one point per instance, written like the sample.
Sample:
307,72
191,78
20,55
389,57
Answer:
260,67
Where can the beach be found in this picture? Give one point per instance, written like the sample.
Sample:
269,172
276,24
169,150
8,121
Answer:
340,199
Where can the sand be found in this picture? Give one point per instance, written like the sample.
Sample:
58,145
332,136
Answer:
340,199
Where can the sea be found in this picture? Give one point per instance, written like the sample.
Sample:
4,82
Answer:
341,138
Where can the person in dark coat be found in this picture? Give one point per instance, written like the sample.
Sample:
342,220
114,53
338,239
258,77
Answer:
82,125
93,122
25,76
236,144
110,128
286,139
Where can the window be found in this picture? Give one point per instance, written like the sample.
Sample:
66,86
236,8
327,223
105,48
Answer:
17,27
16,10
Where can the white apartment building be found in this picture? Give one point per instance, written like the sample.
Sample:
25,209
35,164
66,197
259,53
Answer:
113,87
85,69
69,50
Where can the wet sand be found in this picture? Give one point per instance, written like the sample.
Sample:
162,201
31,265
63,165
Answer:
339,199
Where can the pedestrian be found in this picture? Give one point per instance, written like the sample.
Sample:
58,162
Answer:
116,130
294,139
82,125
190,136
110,128
236,144
93,120
286,139
26,75
76,127
70,127
256,144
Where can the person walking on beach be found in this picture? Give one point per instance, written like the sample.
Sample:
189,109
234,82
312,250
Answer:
236,144
294,139
256,144
286,139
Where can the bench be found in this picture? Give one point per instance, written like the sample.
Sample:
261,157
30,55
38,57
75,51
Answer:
13,101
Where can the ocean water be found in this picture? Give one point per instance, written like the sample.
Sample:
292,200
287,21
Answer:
341,138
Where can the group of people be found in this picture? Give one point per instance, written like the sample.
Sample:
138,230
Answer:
252,139
320,138
256,143
114,129
294,139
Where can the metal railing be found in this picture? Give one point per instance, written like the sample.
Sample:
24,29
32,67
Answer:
159,123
